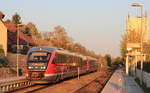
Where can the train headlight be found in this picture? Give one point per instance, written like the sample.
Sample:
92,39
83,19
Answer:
26,75
30,67
43,67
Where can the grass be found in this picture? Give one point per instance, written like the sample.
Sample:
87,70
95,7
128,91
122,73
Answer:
143,86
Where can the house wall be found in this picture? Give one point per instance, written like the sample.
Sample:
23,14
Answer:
3,37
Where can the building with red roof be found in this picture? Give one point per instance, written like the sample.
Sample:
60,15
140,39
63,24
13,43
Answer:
12,36
24,40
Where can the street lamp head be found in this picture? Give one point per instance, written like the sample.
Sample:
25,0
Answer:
137,5
1,15
129,49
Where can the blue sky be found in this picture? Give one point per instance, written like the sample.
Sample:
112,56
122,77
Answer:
97,24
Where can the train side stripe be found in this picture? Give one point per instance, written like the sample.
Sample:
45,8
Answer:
58,74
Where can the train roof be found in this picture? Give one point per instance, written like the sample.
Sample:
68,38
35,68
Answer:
59,50
46,48
91,58
42,47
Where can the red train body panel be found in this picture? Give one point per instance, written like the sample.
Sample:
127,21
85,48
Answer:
46,64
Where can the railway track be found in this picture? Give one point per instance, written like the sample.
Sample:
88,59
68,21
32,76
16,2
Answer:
97,84
30,89
92,86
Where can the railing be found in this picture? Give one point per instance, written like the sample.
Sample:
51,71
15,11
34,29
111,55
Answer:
13,85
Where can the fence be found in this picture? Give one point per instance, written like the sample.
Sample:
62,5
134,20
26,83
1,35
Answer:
145,76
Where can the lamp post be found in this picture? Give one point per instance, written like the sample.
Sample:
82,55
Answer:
129,51
141,6
17,63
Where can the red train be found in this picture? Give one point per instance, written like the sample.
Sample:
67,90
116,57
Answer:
47,64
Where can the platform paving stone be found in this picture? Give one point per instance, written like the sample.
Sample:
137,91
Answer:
121,83
11,79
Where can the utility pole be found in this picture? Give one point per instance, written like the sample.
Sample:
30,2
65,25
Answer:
18,49
141,41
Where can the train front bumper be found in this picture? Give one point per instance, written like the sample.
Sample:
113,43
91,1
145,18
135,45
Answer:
48,78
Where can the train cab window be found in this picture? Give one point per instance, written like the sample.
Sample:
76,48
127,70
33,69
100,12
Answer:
39,56
38,60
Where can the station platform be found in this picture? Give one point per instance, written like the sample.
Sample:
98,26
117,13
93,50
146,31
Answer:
11,79
121,83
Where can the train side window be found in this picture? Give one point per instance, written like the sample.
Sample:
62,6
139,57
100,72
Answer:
59,58
72,59
64,59
56,59
69,59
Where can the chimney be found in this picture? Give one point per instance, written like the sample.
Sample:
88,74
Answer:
1,15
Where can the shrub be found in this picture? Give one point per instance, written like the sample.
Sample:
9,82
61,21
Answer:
3,59
1,52
24,50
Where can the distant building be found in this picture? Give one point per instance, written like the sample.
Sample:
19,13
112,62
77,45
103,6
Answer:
3,35
134,24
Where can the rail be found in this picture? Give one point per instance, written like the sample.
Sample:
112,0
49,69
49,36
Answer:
96,85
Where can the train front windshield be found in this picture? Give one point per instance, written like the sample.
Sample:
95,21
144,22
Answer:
38,61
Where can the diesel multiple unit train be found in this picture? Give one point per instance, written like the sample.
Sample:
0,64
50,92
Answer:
48,64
